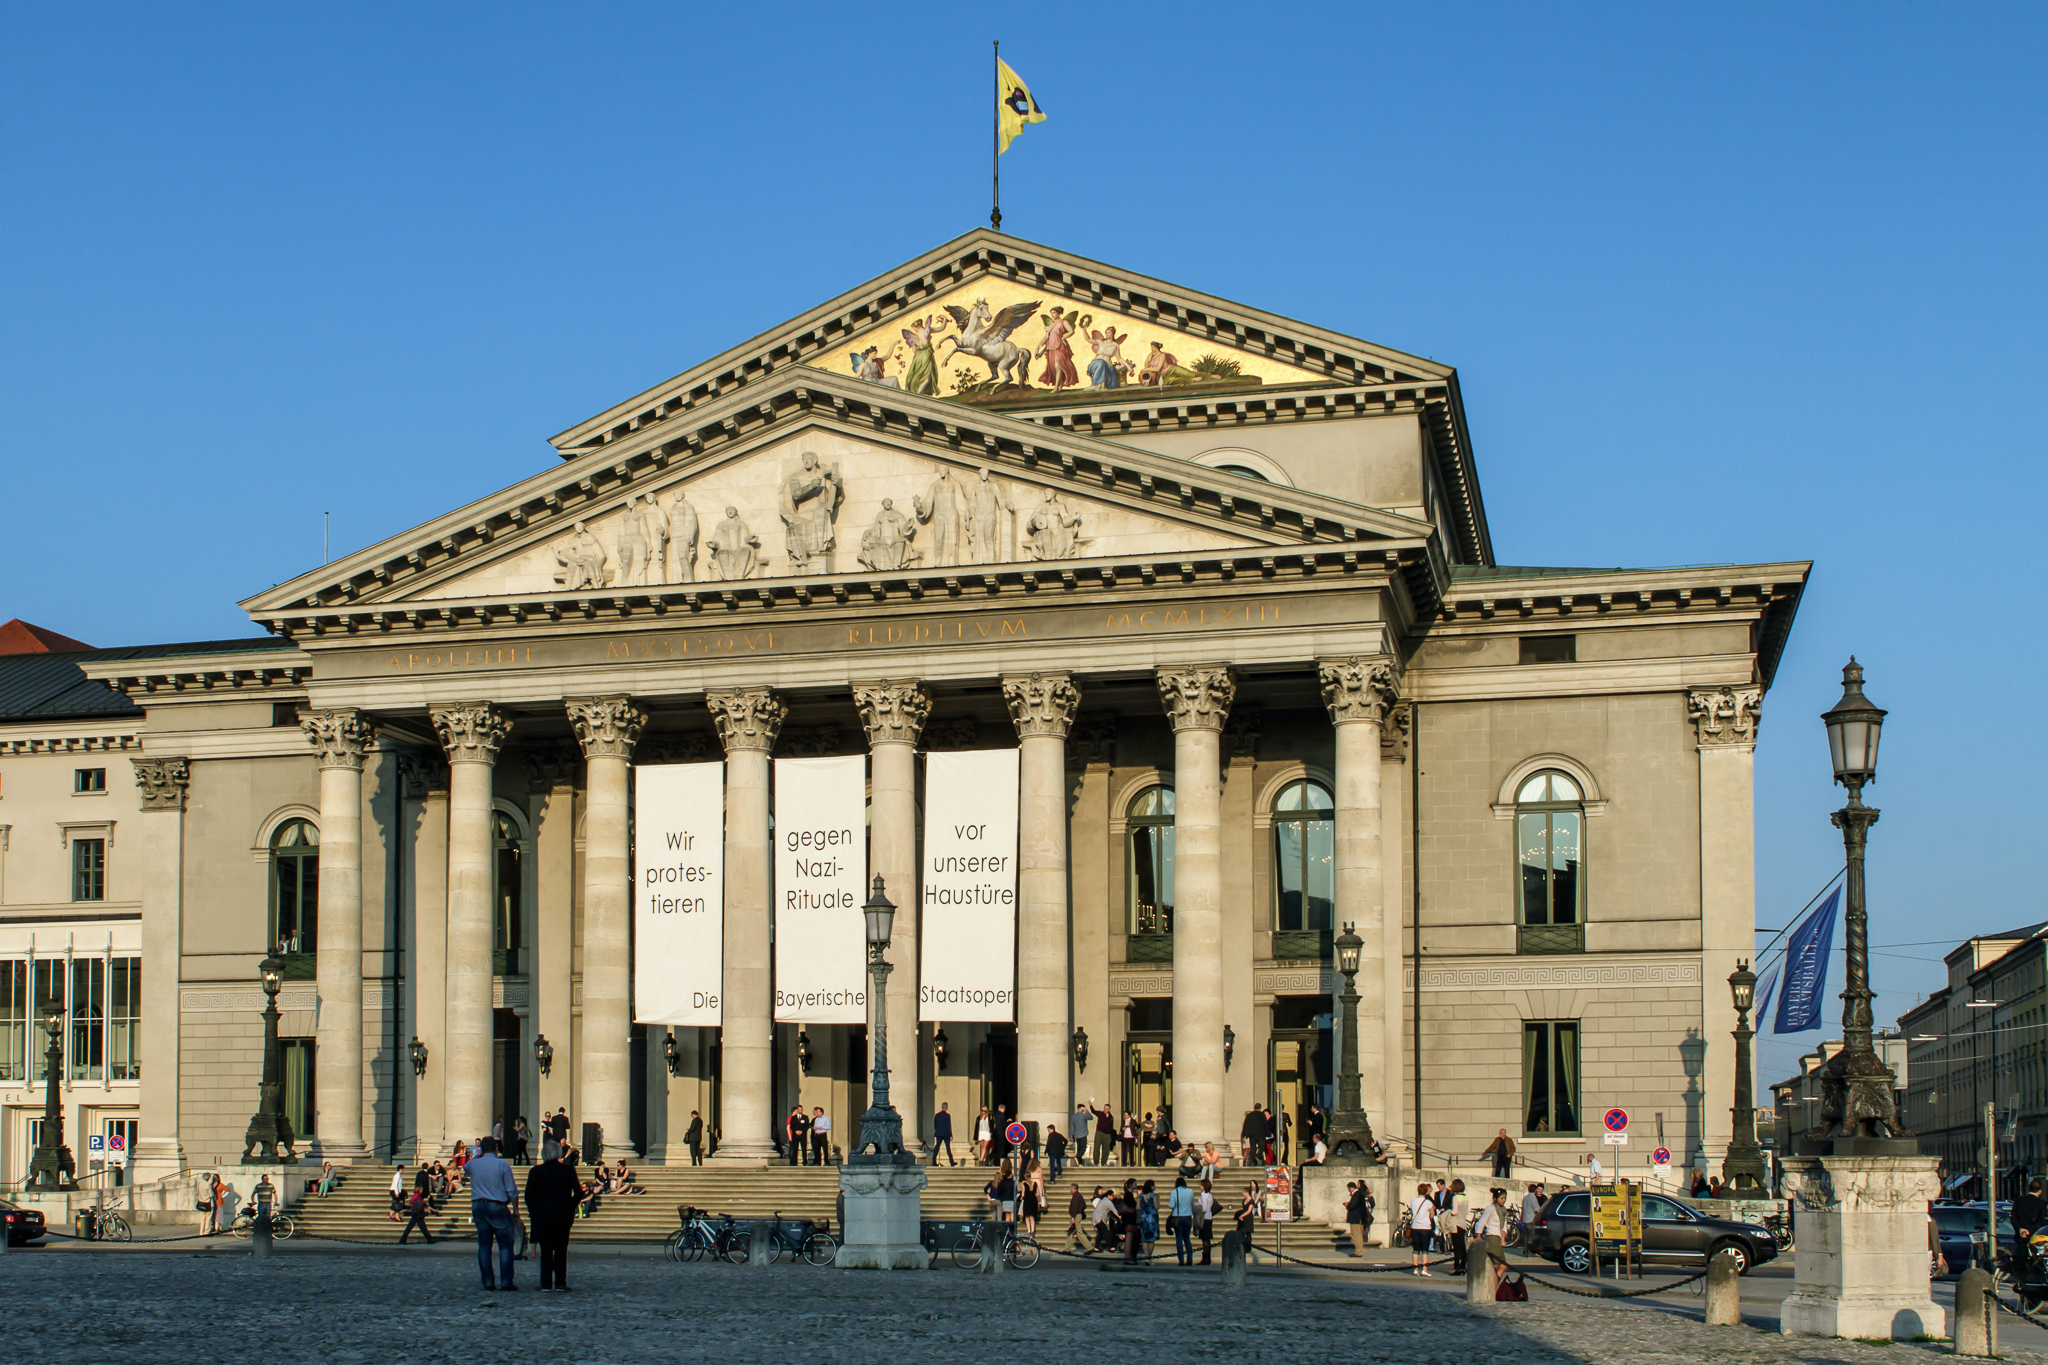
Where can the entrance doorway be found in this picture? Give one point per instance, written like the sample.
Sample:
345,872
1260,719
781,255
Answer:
1148,1058
1298,1066
999,1067
120,1135
506,1059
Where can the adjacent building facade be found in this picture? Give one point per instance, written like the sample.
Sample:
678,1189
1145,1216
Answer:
1978,1041
1224,579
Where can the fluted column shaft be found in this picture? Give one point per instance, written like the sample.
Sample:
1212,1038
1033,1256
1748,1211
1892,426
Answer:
470,735
162,783
1358,693
748,720
1197,701
342,739
607,728
894,714
1043,707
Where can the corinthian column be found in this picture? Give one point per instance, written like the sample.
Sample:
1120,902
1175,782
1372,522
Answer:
341,738
607,728
1043,706
1197,701
1725,721
470,734
162,782
1359,692
894,714
748,719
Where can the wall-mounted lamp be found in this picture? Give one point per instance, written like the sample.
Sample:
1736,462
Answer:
940,1044
803,1051
1081,1048
672,1054
544,1053
418,1053
1229,1045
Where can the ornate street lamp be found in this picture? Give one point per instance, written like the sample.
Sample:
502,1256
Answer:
52,1168
418,1054
1350,1130
543,1053
881,1128
674,1057
1229,1045
270,1138
1081,1048
1743,1169
1857,1113
940,1046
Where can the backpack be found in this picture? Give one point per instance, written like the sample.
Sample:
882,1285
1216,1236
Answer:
1513,1289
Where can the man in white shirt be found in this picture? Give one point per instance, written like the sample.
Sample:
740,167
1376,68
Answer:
1104,1211
1532,1206
1592,1168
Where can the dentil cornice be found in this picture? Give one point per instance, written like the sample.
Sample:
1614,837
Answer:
1042,703
1197,697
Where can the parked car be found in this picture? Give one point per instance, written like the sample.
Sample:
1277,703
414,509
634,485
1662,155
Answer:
1674,1233
1961,1229
24,1226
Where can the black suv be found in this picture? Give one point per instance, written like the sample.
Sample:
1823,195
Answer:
1673,1234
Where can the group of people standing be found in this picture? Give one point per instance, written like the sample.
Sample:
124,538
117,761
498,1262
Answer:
806,1138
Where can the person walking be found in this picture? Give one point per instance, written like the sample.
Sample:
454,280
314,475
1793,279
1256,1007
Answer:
1180,1216
1421,1228
821,1137
1055,1151
1084,1123
1247,1134
397,1191
1248,1217
1490,1231
1205,1217
522,1139
493,1194
418,1209
552,1193
1286,1137
1354,1215
942,1135
1502,1150
1077,1208
693,1138
984,1139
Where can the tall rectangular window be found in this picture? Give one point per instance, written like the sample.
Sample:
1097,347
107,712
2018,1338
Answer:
298,1084
1550,1077
124,1020
88,869
14,1018
88,1018
46,993
88,780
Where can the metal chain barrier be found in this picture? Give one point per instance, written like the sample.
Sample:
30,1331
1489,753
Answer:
2021,1312
1602,1294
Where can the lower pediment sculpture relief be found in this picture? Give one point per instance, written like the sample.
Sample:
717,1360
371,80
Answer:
735,549
1053,531
885,546
580,561
810,498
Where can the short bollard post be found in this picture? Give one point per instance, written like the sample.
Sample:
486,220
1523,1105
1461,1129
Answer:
758,1243
1724,1291
1976,1313
991,1249
1478,1276
1233,1261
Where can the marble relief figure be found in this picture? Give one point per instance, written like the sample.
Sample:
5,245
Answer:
988,530
1053,532
682,528
643,541
810,498
944,506
885,545
735,549
579,560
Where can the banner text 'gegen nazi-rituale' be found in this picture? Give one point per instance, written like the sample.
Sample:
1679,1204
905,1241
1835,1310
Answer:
679,893
969,895
820,851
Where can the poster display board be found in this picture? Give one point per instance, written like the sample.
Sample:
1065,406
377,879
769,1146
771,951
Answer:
679,894
1617,1223
968,900
820,861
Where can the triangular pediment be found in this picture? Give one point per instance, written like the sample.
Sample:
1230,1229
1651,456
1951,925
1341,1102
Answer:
1052,499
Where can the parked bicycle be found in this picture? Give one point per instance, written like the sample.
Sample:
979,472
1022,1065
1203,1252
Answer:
102,1225
1019,1252
698,1237
281,1226
818,1248
1780,1225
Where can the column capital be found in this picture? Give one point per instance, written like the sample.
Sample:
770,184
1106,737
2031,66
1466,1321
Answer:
1724,716
1042,703
162,782
747,717
892,712
470,732
341,735
1358,689
1197,696
606,727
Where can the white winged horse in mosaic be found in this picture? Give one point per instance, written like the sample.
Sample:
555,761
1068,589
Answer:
986,334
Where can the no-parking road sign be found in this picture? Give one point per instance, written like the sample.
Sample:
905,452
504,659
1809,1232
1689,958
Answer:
1015,1134
1616,1120
1662,1156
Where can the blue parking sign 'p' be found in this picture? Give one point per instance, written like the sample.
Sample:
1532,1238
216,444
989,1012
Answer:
96,1142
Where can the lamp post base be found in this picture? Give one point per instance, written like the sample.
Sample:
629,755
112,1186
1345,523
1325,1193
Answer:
1860,1265
884,1198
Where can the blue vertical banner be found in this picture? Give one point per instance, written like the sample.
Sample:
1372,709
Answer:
1806,967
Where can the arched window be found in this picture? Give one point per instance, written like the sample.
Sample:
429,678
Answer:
1550,860
1150,819
295,895
506,889
1304,859
1244,470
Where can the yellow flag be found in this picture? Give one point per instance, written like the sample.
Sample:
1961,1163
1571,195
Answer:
1014,106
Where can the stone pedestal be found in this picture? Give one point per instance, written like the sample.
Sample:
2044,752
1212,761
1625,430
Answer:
1860,1233
1323,1196
884,1214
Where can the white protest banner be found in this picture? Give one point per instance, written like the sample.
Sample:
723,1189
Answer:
679,893
820,851
969,905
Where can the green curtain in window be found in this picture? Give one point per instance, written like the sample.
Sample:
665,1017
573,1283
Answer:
1532,1037
1565,1113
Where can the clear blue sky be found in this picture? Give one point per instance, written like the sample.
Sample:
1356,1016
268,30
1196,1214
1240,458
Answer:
1747,283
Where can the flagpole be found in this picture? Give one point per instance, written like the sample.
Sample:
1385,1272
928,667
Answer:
995,143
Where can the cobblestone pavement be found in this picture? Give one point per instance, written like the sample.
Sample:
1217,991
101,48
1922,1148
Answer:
344,1307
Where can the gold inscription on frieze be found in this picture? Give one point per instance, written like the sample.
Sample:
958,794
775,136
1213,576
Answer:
935,632
1184,618
470,656
672,646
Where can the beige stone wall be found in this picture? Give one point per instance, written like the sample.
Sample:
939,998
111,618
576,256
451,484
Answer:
1372,461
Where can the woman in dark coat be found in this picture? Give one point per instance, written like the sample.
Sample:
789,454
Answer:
552,1192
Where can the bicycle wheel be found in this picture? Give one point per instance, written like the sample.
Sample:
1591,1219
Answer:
737,1247
282,1227
694,1244
241,1228
967,1252
672,1249
120,1231
820,1249
1021,1254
